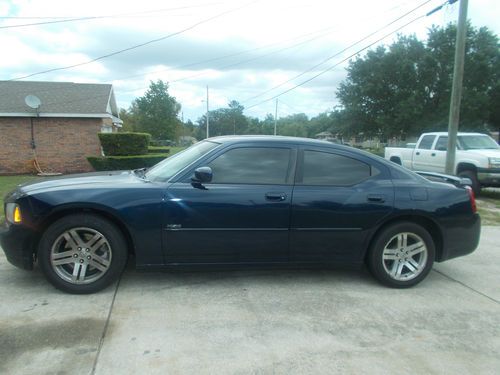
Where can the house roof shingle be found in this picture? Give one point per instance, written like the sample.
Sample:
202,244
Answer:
58,98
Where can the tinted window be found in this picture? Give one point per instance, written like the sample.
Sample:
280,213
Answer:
322,168
442,144
256,165
426,142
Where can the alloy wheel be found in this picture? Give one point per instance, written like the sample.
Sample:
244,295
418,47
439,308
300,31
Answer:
404,256
81,255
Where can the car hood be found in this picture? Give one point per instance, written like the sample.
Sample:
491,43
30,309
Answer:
114,178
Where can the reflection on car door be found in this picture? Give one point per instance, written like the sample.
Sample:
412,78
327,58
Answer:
241,216
337,199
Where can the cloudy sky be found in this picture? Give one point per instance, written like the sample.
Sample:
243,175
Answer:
244,50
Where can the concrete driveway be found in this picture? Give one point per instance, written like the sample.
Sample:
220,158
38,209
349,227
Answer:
258,322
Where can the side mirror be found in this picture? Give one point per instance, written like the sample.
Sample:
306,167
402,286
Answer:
202,174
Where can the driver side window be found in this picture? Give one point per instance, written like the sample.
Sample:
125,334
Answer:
252,165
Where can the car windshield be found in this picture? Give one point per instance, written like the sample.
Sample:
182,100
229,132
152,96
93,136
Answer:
477,142
174,164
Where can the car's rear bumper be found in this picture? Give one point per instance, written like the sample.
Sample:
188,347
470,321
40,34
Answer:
461,238
17,243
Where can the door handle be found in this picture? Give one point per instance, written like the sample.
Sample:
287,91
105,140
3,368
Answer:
433,154
418,153
276,196
380,198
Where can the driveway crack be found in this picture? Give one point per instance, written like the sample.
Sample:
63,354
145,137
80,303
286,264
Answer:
106,325
467,286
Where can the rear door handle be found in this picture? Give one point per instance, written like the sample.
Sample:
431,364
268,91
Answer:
418,153
271,196
433,154
380,198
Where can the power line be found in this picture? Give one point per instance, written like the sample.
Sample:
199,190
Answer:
338,53
340,62
138,45
74,19
233,54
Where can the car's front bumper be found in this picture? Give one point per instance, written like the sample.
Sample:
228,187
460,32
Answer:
489,176
461,237
18,244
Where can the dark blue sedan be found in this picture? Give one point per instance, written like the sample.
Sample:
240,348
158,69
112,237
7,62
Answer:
252,201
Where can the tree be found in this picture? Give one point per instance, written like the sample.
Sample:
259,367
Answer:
155,113
405,88
224,121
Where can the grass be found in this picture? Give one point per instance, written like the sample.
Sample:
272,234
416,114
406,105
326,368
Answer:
488,205
8,183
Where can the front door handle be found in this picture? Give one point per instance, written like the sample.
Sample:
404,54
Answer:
433,154
380,198
271,196
418,153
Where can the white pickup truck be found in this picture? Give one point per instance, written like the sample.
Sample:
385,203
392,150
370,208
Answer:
477,157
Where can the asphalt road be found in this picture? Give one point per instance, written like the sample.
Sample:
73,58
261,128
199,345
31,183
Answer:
258,322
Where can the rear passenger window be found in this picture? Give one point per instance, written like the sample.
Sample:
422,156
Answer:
442,144
426,142
322,168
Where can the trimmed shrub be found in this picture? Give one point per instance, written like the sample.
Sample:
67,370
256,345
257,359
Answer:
158,150
123,144
116,163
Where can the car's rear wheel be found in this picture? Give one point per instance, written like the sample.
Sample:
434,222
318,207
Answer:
82,253
401,255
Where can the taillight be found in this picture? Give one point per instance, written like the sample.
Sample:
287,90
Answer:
472,198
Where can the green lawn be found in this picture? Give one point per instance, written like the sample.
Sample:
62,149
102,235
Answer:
8,183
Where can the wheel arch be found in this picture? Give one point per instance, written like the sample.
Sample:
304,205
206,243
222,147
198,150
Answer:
102,211
464,166
396,159
424,221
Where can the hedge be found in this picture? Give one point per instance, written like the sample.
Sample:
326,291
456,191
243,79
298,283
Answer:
115,163
123,144
158,150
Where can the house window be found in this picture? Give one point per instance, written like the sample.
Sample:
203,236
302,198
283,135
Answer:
106,129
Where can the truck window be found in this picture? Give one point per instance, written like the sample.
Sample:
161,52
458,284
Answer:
442,144
426,142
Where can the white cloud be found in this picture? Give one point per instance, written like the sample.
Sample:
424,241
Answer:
37,48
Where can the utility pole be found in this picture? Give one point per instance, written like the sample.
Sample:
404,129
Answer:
456,90
207,112
276,117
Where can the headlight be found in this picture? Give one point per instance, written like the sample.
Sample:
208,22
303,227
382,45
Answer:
494,162
13,213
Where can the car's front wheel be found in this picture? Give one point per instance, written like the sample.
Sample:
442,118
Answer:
401,255
82,253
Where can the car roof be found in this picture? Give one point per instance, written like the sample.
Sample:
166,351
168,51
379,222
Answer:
270,138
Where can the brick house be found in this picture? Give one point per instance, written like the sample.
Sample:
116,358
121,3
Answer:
63,129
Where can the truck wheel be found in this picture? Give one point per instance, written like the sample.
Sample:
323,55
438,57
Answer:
476,186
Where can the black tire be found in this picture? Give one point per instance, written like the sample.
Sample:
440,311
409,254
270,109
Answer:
106,261
379,266
476,186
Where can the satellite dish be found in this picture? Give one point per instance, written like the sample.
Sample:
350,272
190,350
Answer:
33,101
